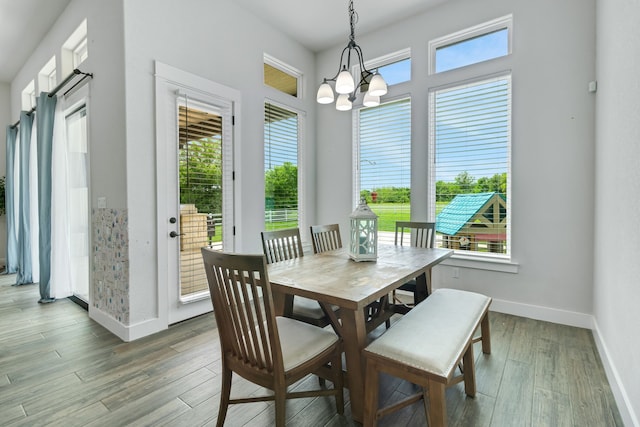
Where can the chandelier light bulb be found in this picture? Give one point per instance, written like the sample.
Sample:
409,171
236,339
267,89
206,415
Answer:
344,82
377,86
370,100
325,94
343,103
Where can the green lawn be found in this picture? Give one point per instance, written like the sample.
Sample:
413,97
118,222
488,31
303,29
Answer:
388,214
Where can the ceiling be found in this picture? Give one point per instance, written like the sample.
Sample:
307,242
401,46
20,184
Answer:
316,24
322,24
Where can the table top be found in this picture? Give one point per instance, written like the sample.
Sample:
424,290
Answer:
334,278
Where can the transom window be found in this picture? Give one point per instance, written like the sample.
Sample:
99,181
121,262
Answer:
281,76
75,49
471,46
47,76
29,96
395,68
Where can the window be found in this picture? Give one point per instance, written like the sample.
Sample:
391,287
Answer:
47,76
396,72
470,140
281,130
75,49
282,77
395,68
471,46
382,155
29,96
80,53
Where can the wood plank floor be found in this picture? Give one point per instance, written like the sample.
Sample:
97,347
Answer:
59,368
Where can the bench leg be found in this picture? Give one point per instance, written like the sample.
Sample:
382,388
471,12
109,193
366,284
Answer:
469,371
371,385
486,334
437,413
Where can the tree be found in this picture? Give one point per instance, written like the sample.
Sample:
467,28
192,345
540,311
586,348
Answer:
497,183
465,182
201,175
281,186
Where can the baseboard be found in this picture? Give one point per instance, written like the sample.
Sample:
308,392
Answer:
629,418
554,315
124,332
580,320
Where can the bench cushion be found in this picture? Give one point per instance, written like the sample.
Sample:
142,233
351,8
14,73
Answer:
433,335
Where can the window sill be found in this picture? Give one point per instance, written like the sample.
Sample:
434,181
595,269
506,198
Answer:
482,263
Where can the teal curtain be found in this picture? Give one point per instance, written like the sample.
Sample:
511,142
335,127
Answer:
24,273
46,112
12,240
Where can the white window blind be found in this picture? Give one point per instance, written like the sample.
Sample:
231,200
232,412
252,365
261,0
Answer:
470,136
384,161
281,167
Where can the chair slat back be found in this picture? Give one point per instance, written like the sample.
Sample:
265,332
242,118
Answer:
281,245
418,234
325,238
243,307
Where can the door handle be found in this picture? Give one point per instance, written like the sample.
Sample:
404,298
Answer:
174,234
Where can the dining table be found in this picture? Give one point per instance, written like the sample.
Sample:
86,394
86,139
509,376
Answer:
333,278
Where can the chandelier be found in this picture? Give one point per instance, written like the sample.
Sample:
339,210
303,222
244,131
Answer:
370,82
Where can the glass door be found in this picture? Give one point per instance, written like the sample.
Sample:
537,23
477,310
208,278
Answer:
78,209
200,164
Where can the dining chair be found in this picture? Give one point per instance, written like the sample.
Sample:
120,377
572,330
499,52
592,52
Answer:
270,351
420,235
282,245
325,238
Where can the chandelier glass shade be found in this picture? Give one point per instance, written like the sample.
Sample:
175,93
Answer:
371,82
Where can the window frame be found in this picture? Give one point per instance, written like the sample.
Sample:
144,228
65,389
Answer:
504,22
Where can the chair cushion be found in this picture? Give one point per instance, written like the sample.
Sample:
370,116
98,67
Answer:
301,341
433,335
308,308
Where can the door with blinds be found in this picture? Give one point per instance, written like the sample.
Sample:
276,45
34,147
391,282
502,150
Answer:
194,184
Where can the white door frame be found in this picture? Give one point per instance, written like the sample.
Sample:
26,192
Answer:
170,83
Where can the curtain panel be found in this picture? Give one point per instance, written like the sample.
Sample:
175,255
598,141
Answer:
24,273
10,205
45,119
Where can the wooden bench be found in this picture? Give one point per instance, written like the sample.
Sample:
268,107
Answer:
424,347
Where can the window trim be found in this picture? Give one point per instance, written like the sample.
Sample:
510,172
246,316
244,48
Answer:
504,22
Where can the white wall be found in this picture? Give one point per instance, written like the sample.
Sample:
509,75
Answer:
553,148
106,127
617,212
221,42
106,106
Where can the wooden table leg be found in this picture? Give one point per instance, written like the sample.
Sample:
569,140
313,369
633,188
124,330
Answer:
355,340
279,302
